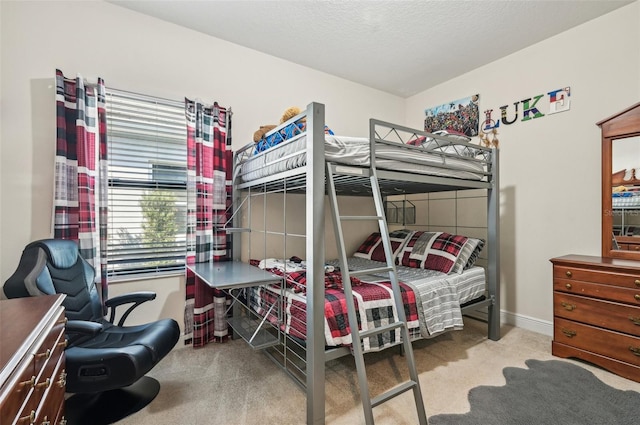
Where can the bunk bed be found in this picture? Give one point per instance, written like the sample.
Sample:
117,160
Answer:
406,161
625,203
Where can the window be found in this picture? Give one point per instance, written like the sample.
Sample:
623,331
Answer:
147,176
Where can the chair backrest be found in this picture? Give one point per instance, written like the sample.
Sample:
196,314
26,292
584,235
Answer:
54,266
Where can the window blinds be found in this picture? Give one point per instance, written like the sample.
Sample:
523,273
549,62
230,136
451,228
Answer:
146,139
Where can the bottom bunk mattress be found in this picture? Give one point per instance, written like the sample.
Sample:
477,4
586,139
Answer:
431,302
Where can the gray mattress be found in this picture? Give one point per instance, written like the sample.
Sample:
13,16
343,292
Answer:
355,151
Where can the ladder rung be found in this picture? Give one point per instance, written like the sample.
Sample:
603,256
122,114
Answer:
371,271
380,329
360,217
406,386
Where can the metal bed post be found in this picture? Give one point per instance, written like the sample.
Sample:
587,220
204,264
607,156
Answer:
315,264
493,230
236,252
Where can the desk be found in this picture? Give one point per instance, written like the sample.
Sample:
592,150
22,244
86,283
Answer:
232,274
235,275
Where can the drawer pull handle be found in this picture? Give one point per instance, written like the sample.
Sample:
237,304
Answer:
635,351
63,421
637,297
46,421
28,419
46,354
637,282
63,344
31,382
567,306
635,320
63,379
44,384
568,273
569,333
568,286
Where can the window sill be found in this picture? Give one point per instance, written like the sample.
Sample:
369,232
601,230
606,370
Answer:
145,276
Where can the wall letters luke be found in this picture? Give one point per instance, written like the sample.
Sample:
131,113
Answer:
558,101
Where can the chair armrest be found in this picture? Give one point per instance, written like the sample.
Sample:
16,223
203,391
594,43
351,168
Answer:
131,297
136,298
81,330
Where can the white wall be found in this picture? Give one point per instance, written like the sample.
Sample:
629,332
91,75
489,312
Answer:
550,166
145,55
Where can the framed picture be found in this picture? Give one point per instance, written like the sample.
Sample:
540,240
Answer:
457,117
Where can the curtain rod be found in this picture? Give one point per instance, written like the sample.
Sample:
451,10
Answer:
134,95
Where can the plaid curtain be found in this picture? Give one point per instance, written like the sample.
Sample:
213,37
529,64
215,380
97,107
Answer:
209,159
80,199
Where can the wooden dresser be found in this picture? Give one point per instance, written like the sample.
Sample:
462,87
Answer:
32,374
596,312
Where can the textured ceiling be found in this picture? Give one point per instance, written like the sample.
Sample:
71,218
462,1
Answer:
400,47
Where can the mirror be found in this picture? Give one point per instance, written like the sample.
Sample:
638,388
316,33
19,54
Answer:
621,184
625,199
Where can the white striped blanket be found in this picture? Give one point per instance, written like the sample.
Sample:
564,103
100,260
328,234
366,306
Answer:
436,293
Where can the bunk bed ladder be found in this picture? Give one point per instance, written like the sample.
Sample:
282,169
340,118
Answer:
358,336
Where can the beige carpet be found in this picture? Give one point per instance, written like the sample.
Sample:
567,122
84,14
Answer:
232,384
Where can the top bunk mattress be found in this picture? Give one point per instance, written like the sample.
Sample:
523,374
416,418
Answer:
629,199
454,161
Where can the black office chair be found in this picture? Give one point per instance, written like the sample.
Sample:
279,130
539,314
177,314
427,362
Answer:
106,363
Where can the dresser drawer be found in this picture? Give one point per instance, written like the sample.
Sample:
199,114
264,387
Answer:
597,290
611,344
606,314
52,395
52,344
18,389
32,358
627,280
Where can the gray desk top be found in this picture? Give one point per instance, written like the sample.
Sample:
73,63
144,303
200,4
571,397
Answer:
231,274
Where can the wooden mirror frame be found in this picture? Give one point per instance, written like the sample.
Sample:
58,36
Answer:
619,126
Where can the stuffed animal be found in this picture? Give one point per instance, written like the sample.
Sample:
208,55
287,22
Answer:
290,113
293,111
489,139
264,129
286,116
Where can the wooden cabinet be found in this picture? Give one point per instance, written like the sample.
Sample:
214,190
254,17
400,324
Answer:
32,373
596,312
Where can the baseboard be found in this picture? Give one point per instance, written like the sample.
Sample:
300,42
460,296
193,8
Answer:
526,322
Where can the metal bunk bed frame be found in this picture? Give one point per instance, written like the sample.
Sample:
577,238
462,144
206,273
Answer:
311,179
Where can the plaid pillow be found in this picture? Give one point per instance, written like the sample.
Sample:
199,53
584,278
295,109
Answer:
406,258
470,253
474,255
432,250
418,141
372,248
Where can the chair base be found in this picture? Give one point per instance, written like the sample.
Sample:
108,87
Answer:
108,407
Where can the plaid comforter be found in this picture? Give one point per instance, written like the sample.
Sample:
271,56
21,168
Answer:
374,302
